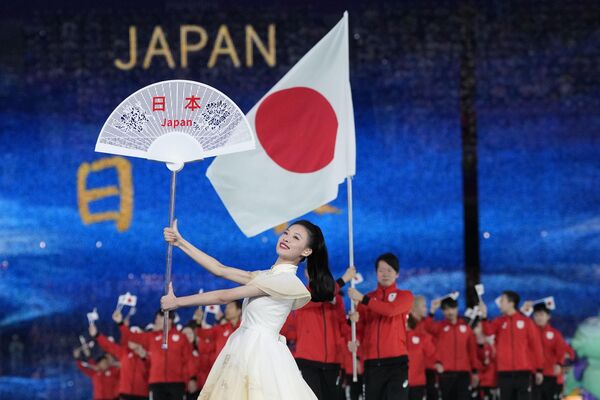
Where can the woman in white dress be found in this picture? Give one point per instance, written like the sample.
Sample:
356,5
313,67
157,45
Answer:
256,364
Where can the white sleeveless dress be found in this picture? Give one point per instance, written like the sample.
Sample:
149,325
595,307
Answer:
256,364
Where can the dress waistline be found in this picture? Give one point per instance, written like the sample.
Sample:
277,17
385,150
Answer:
276,336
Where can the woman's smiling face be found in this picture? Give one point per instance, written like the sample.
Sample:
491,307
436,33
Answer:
293,243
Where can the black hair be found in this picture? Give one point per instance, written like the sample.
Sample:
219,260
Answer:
239,303
100,358
320,279
513,297
162,313
541,307
411,322
389,259
449,302
191,324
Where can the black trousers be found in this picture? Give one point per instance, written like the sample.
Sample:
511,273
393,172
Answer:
548,390
432,387
355,388
514,385
322,378
416,392
386,379
167,391
455,385
487,393
192,396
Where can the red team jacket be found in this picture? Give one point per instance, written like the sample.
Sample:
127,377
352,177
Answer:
487,375
105,384
220,335
554,348
518,344
203,354
382,323
421,328
133,379
455,344
420,348
173,365
318,329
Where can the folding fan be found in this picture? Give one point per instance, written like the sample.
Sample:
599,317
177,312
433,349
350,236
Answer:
175,122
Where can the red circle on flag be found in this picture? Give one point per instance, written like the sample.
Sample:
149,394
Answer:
297,127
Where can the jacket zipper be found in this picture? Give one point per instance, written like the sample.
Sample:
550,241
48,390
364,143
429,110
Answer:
455,352
324,329
512,343
379,326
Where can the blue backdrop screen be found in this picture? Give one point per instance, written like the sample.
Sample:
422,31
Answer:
538,144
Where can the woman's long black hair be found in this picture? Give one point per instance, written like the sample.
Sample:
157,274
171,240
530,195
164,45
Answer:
320,280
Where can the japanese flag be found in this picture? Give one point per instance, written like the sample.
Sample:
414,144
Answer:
306,145
130,300
215,309
548,301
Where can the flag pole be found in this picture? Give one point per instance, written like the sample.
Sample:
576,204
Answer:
165,343
351,262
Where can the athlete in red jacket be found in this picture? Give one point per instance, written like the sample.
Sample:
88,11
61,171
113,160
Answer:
486,352
457,360
221,332
553,345
382,327
419,312
105,378
318,327
420,348
171,370
133,377
518,348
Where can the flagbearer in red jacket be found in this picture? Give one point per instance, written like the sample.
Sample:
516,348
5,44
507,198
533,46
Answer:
318,328
554,352
457,361
172,369
133,379
518,348
382,327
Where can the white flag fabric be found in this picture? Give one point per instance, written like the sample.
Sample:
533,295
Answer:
306,145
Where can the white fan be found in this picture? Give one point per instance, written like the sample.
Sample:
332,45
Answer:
175,122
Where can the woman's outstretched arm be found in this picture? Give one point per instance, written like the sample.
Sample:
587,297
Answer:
171,302
211,264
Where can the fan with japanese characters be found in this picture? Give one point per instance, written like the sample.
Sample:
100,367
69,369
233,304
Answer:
175,122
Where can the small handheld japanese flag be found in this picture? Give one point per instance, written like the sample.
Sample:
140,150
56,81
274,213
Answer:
480,289
93,316
548,301
130,300
121,302
305,147
358,278
215,309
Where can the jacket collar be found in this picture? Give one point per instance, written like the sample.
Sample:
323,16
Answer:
386,290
